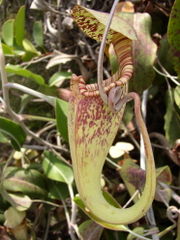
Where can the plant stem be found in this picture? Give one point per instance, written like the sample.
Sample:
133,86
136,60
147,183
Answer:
113,163
172,78
48,99
37,118
47,226
73,225
101,54
4,82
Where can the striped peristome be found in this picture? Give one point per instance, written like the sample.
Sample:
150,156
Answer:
122,48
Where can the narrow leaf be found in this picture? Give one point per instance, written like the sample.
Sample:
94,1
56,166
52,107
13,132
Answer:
58,78
164,174
8,32
144,54
174,35
177,96
26,181
20,201
55,169
57,190
61,58
171,125
19,26
14,131
8,50
126,176
3,139
61,118
90,230
38,33
29,47
16,69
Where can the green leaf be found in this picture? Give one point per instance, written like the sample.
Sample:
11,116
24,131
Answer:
57,190
60,58
137,230
16,69
3,139
8,32
8,51
174,34
126,176
171,125
58,78
144,54
13,217
55,169
14,131
61,118
38,33
164,54
19,201
27,181
90,230
93,23
29,47
19,26
164,174
177,96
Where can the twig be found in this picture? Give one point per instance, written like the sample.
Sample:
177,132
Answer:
101,54
71,233
35,147
36,118
113,163
4,82
172,78
132,197
167,74
131,136
37,59
48,99
73,211
59,27
47,226
46,128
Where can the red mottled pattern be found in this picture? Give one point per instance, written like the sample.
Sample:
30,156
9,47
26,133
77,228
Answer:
122,48
89,24
92,127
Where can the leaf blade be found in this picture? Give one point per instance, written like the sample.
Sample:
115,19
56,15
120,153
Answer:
16,69
61,118
173,33
55,169
14,131
8,32
19,26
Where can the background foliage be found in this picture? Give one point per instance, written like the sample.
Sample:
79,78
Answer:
43,47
